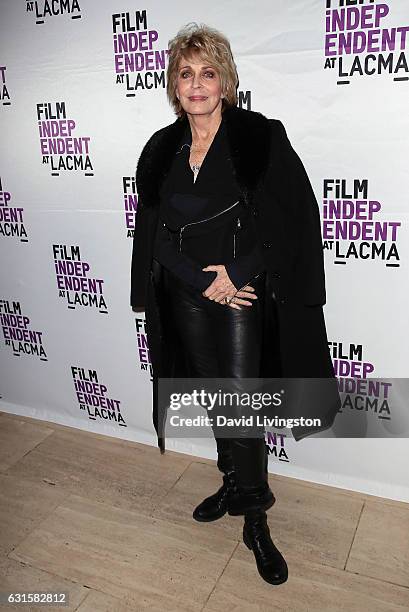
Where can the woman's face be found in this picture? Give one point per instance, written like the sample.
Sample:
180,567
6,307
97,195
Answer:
198,87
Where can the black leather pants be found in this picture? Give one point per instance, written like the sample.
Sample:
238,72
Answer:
223,342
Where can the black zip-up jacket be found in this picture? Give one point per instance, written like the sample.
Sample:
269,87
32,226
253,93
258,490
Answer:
204,222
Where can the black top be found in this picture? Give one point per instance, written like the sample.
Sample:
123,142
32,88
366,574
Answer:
205,222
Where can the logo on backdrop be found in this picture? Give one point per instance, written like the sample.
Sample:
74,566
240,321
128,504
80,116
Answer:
360,41
11,217
74,284
353,226
43,9
276,445
139,61
130,203
363,394
61,148
93,397
4,92
244,99
143,348
17,333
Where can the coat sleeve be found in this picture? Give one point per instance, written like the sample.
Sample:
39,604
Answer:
299,197
145,225
146,220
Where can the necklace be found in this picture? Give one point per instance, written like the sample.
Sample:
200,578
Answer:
195,169
198,152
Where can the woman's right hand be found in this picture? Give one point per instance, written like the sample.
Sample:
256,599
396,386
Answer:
221,286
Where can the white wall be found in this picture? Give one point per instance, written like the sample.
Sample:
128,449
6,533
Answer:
348,131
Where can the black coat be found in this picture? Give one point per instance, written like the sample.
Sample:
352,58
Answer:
275,185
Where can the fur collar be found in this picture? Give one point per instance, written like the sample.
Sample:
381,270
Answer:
248,135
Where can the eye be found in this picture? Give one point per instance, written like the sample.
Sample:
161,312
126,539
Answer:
209,74
184,74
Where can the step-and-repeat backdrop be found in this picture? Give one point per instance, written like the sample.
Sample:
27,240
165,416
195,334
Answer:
82,87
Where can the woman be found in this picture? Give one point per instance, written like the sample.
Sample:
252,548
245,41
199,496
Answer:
227,263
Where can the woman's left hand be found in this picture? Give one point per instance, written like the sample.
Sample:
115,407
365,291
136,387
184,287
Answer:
222,288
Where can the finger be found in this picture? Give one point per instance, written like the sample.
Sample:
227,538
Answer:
216,296
242,302
247,288
226,291
212,268
233,305
209,293
246,294
220,297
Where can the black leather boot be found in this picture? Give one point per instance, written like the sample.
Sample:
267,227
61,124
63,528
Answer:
215,506
271,564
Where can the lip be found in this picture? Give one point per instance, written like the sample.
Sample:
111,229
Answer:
197,98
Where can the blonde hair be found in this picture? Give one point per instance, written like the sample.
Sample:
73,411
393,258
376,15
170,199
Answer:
212,47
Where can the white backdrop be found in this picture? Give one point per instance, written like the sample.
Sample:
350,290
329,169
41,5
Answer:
346,116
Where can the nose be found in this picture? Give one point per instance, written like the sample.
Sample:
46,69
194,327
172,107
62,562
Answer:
196,80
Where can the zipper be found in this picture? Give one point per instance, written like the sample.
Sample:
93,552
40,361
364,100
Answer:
248,282
202,221
238,226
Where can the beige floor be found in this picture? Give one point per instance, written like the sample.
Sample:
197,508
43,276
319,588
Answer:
109,522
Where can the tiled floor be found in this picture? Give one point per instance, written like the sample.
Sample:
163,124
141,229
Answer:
109,521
